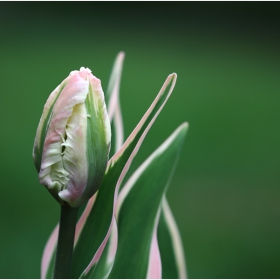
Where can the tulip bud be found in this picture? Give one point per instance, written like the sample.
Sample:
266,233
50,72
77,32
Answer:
73,139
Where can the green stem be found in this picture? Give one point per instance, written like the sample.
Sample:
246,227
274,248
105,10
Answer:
67,225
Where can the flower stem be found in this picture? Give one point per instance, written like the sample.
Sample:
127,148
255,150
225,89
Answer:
67,226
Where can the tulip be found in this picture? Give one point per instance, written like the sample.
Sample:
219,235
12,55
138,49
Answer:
73,139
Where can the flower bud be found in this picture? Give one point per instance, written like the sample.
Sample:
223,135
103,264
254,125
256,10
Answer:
73,139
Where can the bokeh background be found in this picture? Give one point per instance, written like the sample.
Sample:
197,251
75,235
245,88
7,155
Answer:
225,193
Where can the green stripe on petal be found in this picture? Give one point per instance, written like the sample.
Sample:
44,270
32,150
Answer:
43,125
52,174
98,139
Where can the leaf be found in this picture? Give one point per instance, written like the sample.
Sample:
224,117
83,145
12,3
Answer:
154,264
96,231
113,101
138,204
106,261
170,245
47,263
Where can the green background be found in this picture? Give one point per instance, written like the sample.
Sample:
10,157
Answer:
225,193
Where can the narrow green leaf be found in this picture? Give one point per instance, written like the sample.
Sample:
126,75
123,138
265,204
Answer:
113,104
47,264
104,266
138,204
97,228
114,82
170,245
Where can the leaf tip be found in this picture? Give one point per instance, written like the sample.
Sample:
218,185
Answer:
121,54
172,78
183,128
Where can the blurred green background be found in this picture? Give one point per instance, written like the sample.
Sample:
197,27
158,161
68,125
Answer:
225,194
